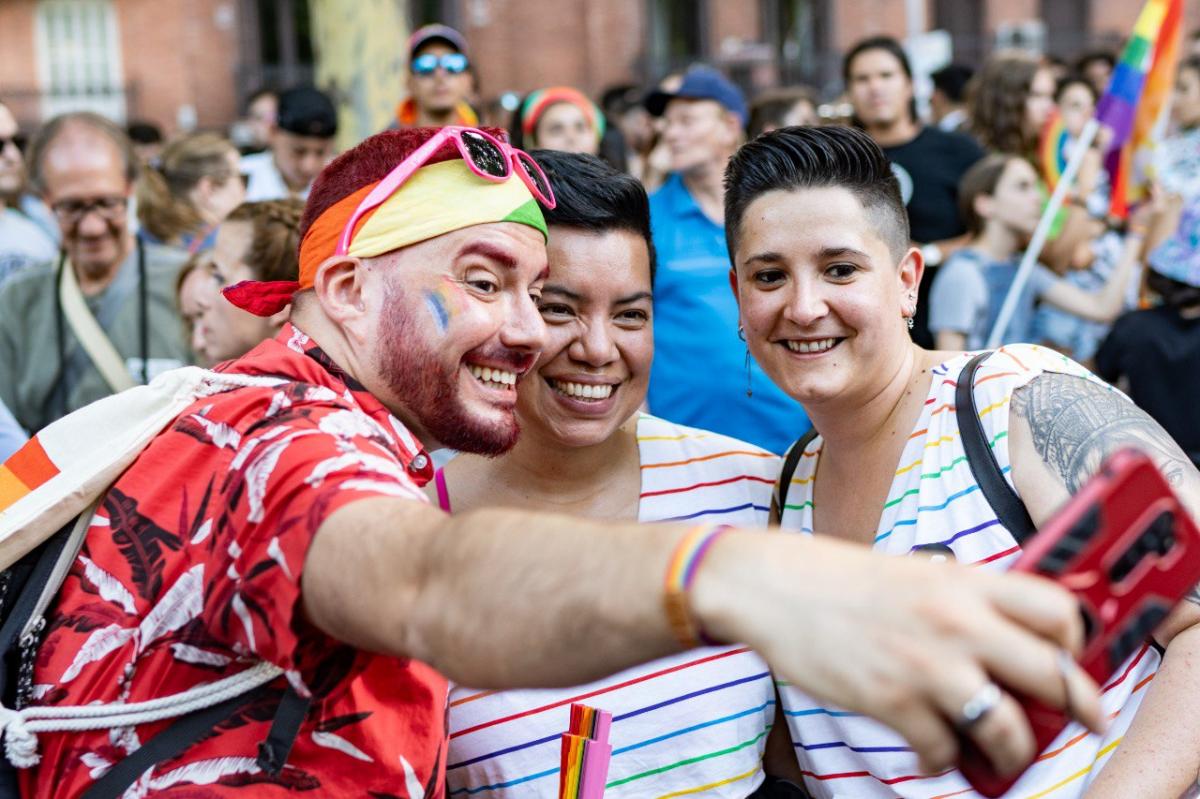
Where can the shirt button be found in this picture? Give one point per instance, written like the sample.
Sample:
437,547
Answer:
418,463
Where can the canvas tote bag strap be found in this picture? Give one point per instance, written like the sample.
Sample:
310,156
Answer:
91,336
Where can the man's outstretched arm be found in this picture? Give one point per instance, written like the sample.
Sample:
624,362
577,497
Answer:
509,599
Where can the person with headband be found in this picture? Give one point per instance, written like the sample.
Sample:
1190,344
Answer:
560,118
279,528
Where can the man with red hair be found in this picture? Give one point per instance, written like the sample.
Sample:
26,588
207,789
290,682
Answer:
276,532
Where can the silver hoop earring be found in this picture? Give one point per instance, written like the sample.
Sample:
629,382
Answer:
741,332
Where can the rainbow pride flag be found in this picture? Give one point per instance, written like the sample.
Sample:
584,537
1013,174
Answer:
1140,86
585,754
1052,150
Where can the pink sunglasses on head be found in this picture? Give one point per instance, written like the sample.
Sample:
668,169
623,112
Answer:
486,156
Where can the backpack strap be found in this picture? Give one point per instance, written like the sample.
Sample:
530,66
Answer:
790,461
289,716
1009,508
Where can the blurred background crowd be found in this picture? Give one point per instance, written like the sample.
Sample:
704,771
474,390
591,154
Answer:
165,148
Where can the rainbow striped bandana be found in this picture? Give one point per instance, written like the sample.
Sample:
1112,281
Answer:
438,199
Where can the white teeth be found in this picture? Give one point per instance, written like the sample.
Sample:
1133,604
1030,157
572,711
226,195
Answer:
498,378
811,346
582,390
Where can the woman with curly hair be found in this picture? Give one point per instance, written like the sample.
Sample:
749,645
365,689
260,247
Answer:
258,241
1010,101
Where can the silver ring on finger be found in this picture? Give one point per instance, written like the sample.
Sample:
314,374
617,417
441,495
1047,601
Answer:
974,710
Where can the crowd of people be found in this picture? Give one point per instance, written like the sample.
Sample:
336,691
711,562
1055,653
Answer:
482,384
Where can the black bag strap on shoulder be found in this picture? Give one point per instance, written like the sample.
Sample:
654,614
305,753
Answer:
790,461
187,730
1009,508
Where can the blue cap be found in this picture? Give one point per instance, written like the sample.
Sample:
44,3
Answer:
701,83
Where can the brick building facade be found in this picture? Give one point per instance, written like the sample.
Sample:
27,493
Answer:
185,63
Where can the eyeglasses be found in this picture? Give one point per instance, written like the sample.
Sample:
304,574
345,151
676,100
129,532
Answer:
16,140
486,156
453,63
71,212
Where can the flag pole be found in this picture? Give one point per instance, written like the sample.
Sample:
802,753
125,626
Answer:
1030,257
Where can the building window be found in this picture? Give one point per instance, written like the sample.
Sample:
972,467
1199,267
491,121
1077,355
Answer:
797,31
276,45
427,12
678,34
79,58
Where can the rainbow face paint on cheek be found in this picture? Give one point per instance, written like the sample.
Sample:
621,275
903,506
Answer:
444,303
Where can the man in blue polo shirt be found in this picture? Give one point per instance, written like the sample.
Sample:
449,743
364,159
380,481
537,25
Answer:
701,370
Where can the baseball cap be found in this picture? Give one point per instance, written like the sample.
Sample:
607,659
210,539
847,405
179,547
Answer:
306,111
701,82
436,32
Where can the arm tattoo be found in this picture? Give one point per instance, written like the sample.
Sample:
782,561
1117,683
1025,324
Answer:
1076,424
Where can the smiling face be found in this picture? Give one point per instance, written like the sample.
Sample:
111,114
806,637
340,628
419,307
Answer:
456,328
822,298
595,367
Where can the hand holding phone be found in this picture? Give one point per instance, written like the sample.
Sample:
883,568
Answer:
1129,551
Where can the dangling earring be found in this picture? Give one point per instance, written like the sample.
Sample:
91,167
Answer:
749,377
908,320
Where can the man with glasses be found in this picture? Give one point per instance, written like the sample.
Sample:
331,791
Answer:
278,529
118,291
27,233
439,80
301,145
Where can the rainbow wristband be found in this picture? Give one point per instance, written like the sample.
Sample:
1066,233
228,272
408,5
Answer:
681,572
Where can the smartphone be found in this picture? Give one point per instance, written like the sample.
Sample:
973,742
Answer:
1129,551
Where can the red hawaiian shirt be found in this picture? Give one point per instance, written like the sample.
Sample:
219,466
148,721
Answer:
191,571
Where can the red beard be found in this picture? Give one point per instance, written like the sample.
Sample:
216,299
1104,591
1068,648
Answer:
429,390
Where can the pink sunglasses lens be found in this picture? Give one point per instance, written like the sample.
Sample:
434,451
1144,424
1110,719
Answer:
485,156
537,177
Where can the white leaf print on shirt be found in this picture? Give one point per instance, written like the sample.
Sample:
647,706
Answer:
179,605
331,740
388,489
205,772
203,532
221,434
97,765
259,471
201,657
239,607
275,552
359,461
411,783
351,424
109,587
100,643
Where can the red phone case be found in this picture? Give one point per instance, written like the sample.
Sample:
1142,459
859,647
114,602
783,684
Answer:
1129,551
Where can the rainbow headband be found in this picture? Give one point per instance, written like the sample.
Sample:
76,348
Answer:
537,102
438,199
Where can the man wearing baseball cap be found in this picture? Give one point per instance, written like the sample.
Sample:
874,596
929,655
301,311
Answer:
301,144
439,80
696,316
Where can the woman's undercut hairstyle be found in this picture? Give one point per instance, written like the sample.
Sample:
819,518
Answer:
594,197
789,159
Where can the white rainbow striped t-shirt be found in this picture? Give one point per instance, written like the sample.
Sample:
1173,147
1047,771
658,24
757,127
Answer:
692,724
934,500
